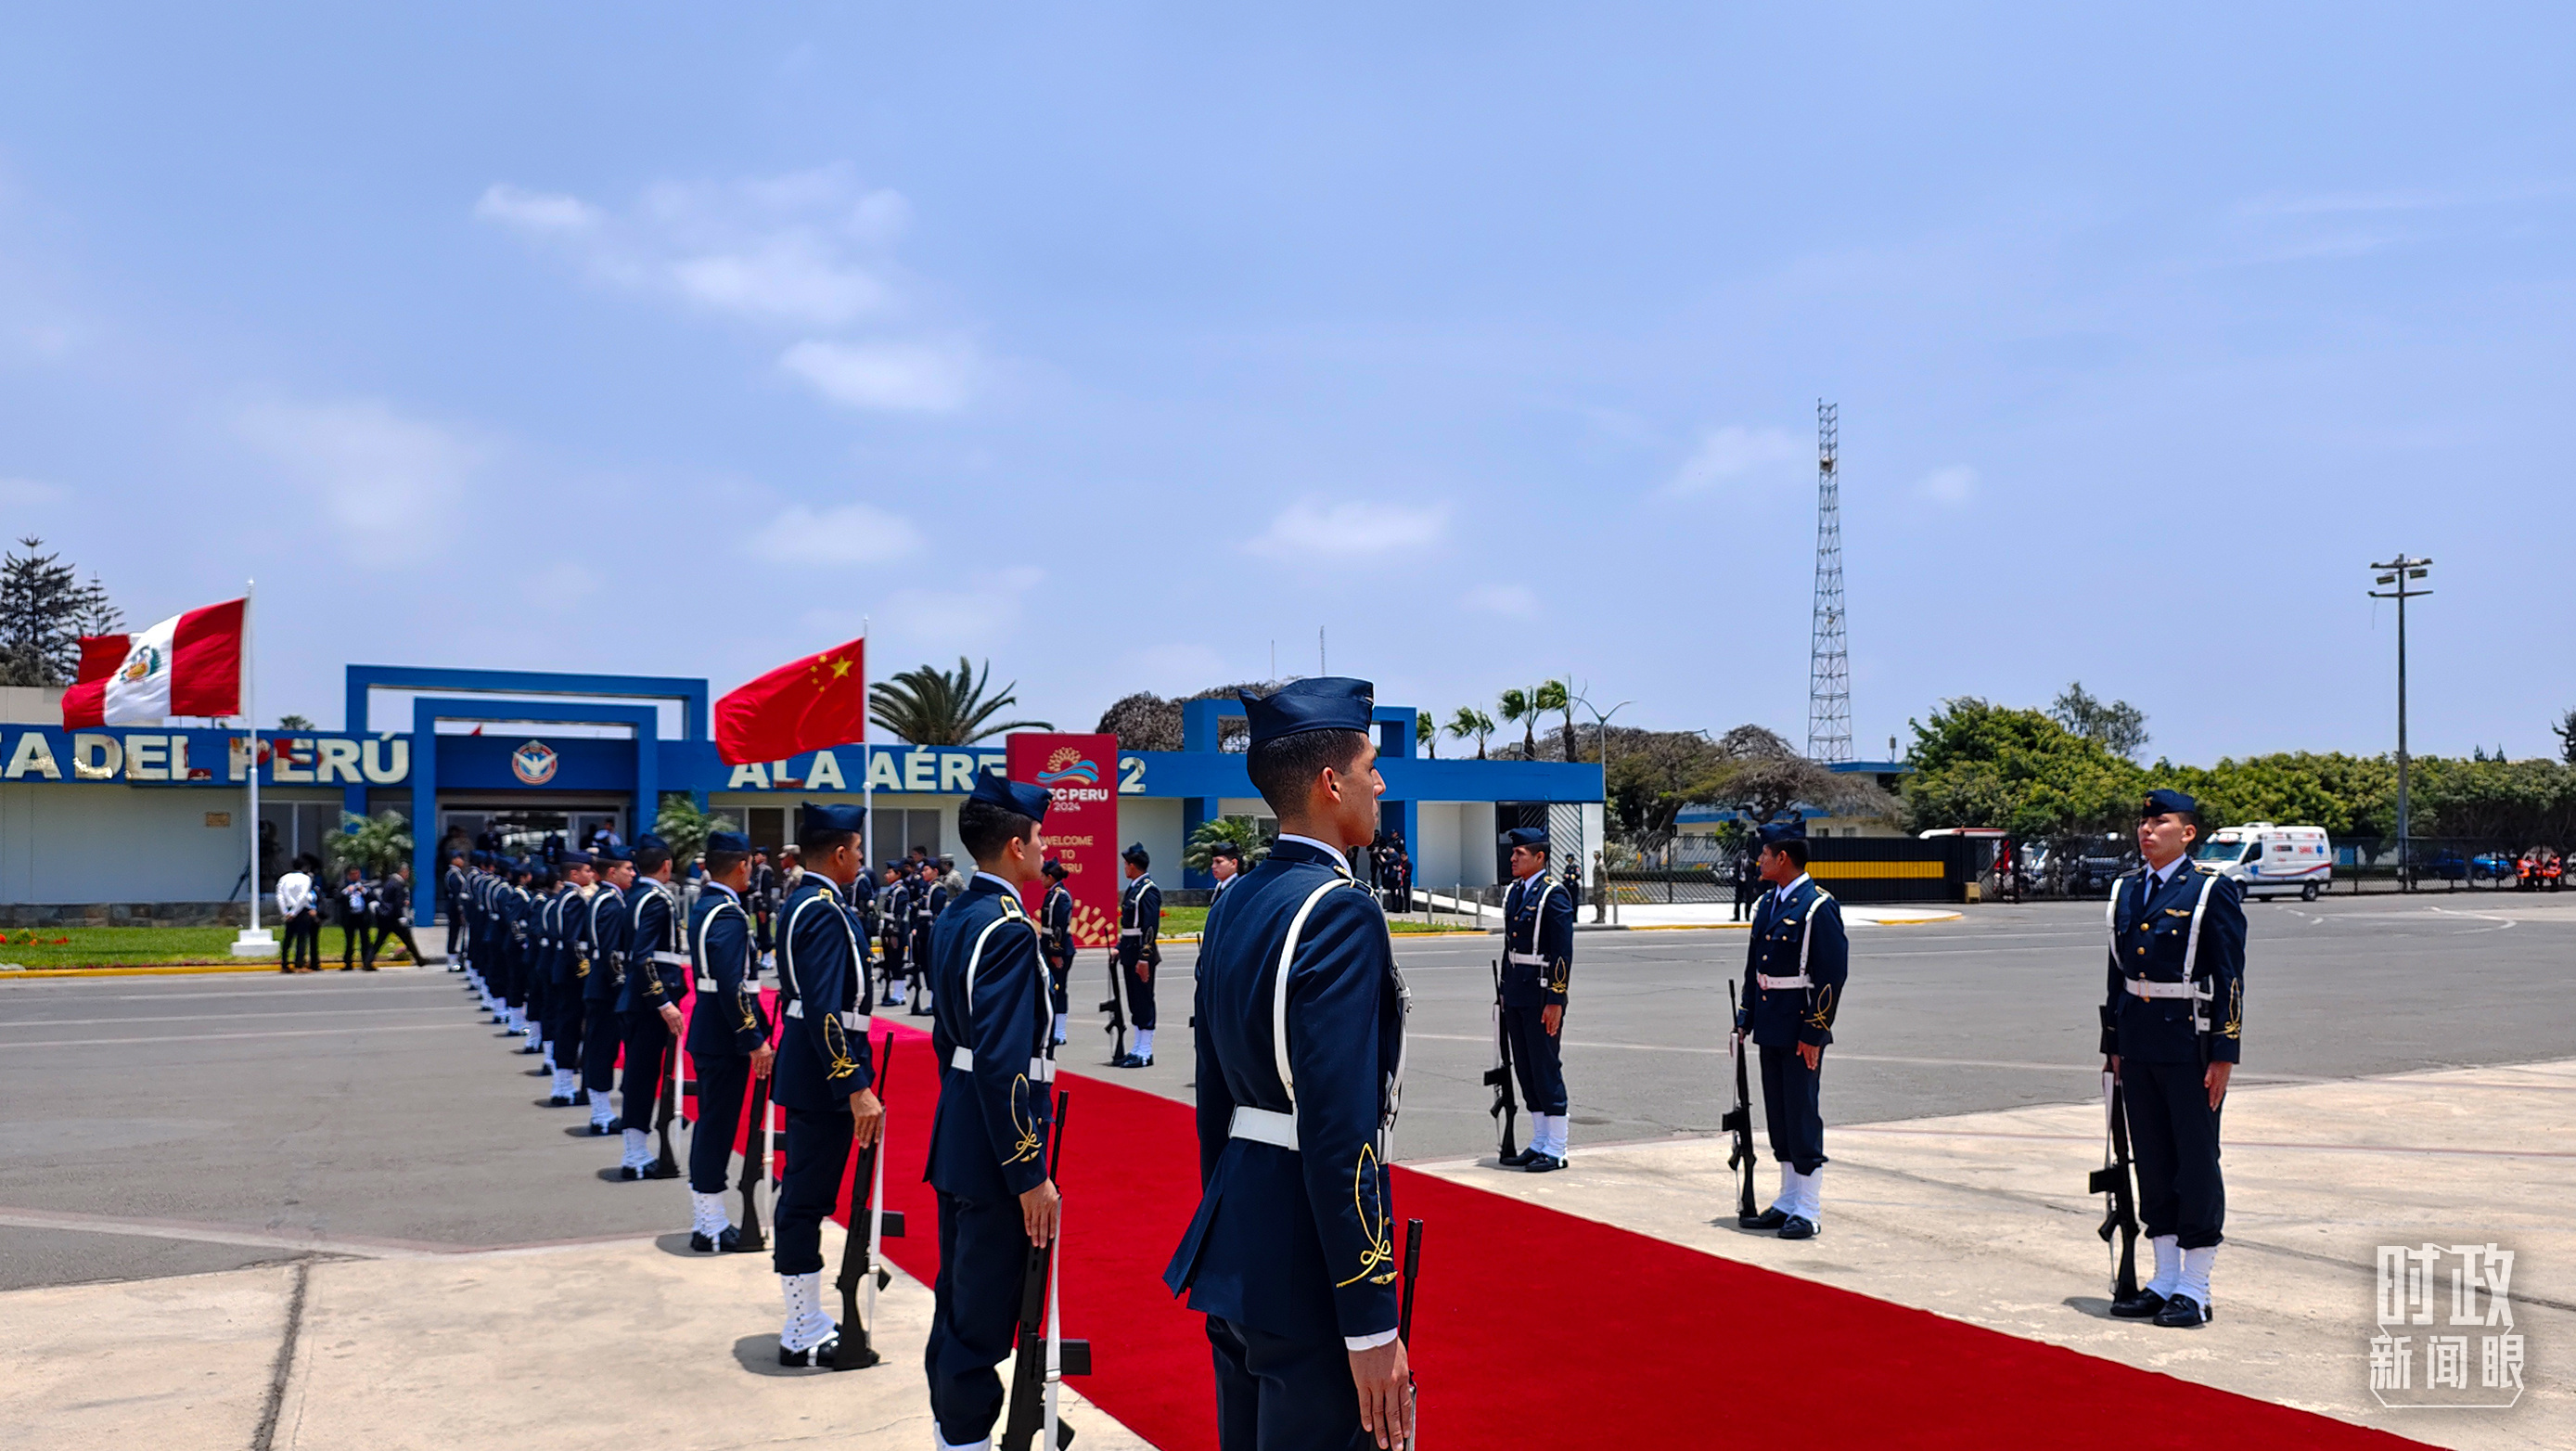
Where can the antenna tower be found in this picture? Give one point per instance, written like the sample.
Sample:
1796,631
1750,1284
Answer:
1829,728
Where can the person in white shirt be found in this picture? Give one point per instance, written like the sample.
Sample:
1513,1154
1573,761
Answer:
297,905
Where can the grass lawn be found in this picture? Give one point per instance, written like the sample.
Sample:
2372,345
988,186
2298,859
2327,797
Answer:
137,946
1181,921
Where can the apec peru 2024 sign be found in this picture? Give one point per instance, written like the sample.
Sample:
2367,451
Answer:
1081,828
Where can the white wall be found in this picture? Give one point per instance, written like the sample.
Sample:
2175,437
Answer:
116,843
1156,823
1435,844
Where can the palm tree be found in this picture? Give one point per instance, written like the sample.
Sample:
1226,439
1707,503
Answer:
1242,831
1522,706
686,828
1426,735
371,844
929,707
1554,695
1470,721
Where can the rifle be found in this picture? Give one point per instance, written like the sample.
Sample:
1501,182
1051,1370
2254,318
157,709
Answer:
859,1264
1404,1315
1499,1077
755,1167
1116,1007
669,1165
2120,1214
1739,1119
1045,1357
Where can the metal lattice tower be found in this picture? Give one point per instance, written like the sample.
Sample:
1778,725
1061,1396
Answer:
1829,728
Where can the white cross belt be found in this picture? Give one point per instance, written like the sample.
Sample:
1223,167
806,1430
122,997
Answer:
1525,959
1265,1126
673,959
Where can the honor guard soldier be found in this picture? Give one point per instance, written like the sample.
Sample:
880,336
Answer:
1055,925
1140,925
1225,863
1291,1255
603,943
988,1145
451,898
823,1073
929,899
657,973
510,903
728,1036
2173,1028
567,971
1538,956
1794,972
894,929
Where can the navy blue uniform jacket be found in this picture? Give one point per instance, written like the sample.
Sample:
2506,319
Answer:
650,981
1299,1242
988,996
603,939
823,1002
2150,935
1538,942
725,1021
1810,922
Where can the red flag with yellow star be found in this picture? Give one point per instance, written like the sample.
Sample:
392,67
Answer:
803,705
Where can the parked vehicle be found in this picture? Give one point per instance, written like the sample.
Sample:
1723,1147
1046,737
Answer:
2494,866
2270,860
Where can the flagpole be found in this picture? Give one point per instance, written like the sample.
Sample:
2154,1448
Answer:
253,942
867,773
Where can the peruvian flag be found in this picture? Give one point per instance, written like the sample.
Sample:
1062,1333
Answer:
188,664
803,705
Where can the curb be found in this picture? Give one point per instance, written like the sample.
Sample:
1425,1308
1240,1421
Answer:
164,969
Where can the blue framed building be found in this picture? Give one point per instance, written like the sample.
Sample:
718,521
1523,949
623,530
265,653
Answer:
158,815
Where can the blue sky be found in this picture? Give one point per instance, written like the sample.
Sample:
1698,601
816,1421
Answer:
1116,342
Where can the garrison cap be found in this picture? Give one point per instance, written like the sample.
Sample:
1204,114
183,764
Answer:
1323,703
996,789
835,817
731,841
609,853
2164,799
647,841
573,857
1530,836
1136,853
1775,832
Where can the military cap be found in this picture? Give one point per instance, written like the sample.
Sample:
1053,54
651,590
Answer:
835,817
647,841
1135,852
1775,832
1530,836
608,853
1323,703
1053,868
996,789
732,841
2164,799
573,857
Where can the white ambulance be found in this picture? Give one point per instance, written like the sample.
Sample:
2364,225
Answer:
2272,859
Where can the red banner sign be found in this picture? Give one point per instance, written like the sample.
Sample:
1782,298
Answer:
1081,827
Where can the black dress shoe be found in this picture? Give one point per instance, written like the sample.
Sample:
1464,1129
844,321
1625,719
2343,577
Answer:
1542,1164
2182,1312
598,1130
1797,1226
819,1356
659,1171
559,1101
727,1241
1768,1219
629,1173
1512,1160
2140,1306
532,1048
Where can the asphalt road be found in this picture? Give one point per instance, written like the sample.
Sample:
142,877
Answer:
376,1108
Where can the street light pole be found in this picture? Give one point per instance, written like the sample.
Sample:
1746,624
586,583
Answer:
2399,574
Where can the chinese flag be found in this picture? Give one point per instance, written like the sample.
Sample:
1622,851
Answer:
803,705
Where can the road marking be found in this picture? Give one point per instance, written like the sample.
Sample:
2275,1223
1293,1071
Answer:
1837,1055
203,1018
233,1037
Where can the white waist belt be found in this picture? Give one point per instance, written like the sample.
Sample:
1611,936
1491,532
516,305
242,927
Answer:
962,1058
1131,931
1525,959
709,985
1265,1126
2141,988
675,959
855,1022
1781,984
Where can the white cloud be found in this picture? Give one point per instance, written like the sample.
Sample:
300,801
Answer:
372,469
986,614
1514,601
1173,667
1732,452
898,377
27,493
808,249
845,534
1309,532
1950,487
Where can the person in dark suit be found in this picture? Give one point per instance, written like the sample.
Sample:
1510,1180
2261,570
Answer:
1538,958
452,899
354,909
1794,971
656,977
2173,1030
603,945
988,1145
823,1077
1748,884
1140,926
1291,1255
728,1038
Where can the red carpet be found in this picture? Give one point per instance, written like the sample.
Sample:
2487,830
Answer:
1536,1329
